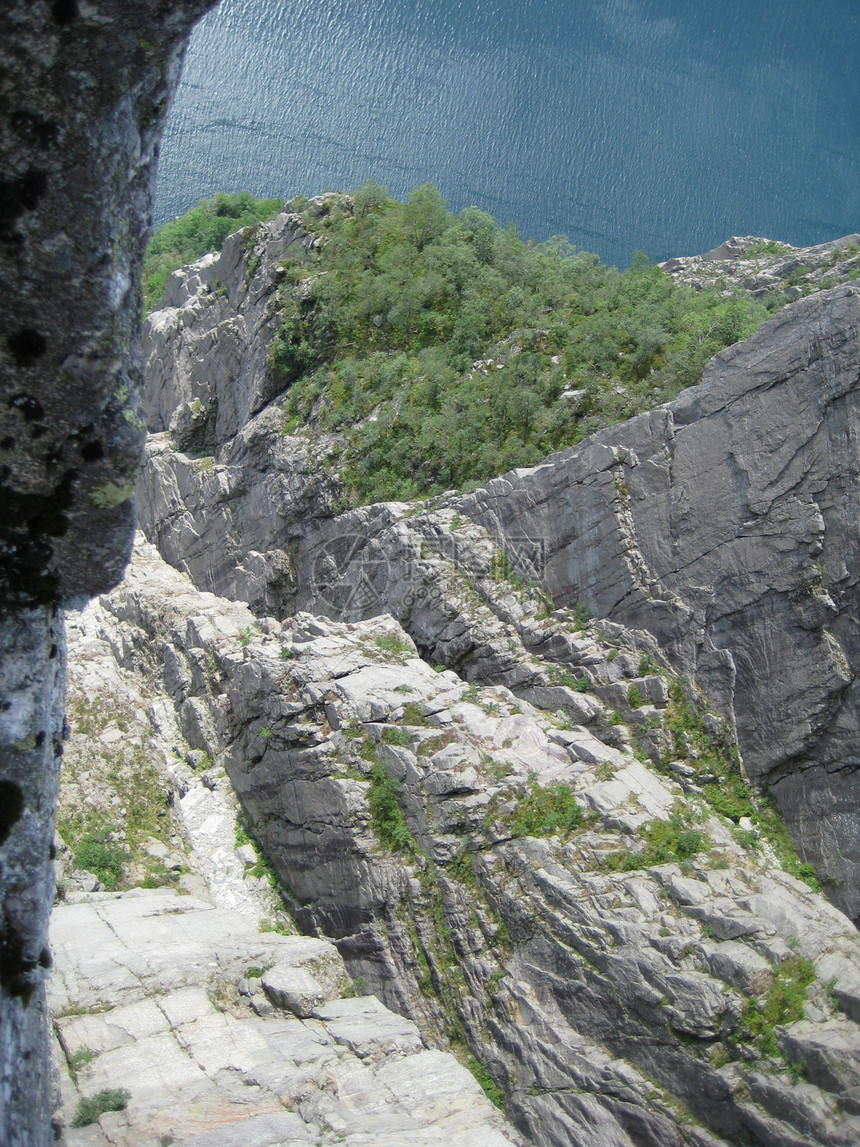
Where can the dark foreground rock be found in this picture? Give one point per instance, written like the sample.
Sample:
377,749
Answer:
84,91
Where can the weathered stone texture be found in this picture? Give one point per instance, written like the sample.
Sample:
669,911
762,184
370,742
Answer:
596,998
84,93
153,992
32,659
771,269
84,89
725,523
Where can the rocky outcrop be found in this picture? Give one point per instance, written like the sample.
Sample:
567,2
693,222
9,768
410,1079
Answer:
724,523
217,1020
430,829
206,391
769,270
720,524
85,89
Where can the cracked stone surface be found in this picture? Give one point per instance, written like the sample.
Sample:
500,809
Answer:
150,992
83,96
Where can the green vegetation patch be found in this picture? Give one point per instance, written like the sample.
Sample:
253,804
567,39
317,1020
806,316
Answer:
392,735
783,1003
110,836
766,247
545,810
90,1108
475,351
386,815
393,643
665,841
201,230
100,858
634,697
482,1074
730,795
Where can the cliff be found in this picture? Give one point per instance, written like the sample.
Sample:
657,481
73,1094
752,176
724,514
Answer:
721,523
626,964
498,747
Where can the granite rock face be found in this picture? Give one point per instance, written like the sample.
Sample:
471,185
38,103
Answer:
401,808
222,1024
722,524
207,392
86,90
83,96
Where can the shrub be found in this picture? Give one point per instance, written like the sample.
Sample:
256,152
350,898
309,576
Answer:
545,810
394,736
102,860
390,313
634,697
766,247
90,1108
665,841
782,1005
392,643
387,818
582,615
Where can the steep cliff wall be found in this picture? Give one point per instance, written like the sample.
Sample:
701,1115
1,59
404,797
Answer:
713,538
722,524
725,524
83,95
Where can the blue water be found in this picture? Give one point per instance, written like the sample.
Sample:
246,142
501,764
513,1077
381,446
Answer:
655,125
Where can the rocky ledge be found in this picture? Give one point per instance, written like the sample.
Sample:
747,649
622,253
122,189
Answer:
768,269
189,1001
223,1037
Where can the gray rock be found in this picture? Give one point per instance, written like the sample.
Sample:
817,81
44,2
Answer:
576,985
730,266
735,577
768,425
78,182
293,989
155,1009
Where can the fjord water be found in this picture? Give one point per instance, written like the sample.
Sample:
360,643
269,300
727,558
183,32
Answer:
655,125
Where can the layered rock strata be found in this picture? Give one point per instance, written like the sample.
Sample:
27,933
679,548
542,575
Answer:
220,1023
724,524
222,1035
405,812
